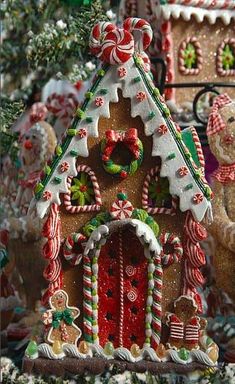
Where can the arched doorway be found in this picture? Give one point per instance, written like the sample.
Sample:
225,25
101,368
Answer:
122,285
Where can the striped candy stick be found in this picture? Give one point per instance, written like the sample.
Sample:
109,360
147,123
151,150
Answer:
157,303
87,301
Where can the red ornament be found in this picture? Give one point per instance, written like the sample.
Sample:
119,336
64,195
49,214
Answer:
99,101
162,129
141,96
183,171
82,133
46,195
64,166
197,198
122,72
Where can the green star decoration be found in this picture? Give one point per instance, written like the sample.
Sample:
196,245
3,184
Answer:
190,56
82,189
159,192
228,57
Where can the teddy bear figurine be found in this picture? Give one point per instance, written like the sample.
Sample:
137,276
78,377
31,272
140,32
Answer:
221,138
59,320
184,324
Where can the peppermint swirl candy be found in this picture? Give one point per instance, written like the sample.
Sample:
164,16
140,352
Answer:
112,45
176,255
69,252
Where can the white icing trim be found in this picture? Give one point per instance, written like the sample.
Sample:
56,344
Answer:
162,144
187,12
72,351
45,350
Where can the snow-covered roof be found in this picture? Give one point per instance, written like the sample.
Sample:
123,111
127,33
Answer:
193,192
198,9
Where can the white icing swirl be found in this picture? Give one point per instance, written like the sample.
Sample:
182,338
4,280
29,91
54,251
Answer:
72,351
124,354
202,357
45,350
148,353
98,351
175,357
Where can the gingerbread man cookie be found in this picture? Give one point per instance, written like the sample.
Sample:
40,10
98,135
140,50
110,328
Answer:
184,324
60,320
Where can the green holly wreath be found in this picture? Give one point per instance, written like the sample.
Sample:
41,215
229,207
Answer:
133,143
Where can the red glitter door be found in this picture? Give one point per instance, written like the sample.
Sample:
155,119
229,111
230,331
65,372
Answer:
122,289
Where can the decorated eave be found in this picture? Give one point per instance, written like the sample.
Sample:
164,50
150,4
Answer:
185,179
211,10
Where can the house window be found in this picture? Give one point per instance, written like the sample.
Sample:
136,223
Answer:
226,58
156,197
190,56
84,191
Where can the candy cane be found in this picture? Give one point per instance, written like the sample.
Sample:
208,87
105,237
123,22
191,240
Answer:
135,24
157,299
112,45
87,302
74,258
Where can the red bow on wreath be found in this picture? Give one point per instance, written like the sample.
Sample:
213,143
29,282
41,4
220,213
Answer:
129,138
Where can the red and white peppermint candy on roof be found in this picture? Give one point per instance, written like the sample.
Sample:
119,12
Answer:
121,209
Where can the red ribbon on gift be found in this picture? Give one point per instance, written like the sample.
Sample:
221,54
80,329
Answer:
129,138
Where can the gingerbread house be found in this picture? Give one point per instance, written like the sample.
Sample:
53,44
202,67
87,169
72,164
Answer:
195,38
123,200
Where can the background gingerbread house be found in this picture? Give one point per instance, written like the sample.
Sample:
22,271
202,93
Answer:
195,38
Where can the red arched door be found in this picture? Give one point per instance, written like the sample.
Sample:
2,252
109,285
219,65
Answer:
122,290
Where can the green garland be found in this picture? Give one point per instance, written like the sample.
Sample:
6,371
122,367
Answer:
105,217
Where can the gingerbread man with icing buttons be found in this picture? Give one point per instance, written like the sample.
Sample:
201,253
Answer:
221,138
60,320
184,324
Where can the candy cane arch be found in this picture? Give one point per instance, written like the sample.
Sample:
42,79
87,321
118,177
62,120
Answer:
53,271
84,208
194,257
135,24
